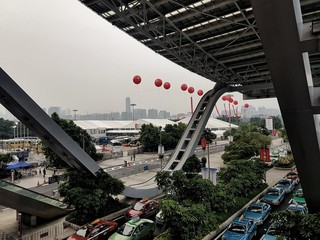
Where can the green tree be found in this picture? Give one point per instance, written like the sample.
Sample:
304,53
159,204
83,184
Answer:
283,134
187,209
192,166
297,226
246,143
79,135
188,221
5,158
172,134
91,196
6,128
150,136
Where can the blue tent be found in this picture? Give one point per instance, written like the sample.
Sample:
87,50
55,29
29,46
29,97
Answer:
18,165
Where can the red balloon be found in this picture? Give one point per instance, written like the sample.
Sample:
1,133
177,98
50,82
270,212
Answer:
166,85
230,99
200,92
246,105
184,87
235,102
158,82
224,98
137,79
190,89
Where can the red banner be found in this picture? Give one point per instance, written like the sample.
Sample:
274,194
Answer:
203,143
265,154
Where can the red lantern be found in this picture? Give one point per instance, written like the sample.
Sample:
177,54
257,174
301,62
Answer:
200,92
246,105
137,79
190,89
224,98
230,99
166,85
158,82
184,87
235,102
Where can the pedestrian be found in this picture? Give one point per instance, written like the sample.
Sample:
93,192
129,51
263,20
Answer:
44,172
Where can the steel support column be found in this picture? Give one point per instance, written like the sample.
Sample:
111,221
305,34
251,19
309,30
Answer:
280,24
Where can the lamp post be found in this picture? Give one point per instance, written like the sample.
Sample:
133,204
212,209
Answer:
160,149
14,135
230,100
75,113
133,105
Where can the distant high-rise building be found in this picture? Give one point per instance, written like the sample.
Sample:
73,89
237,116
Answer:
126,116
164,115
152,113
54,109
128,109
140,113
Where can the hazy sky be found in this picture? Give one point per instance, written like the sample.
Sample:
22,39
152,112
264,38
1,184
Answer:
63,54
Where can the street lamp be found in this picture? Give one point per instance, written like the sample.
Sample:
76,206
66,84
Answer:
160,149
14,135
133,105
230,100
75,113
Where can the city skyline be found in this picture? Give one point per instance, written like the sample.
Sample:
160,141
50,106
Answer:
140,113
74,59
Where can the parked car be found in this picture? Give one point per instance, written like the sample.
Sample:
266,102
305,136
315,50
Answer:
298,197
271,234
135,229
286,184
160,218
258,212
273,196
143,208
299,209
98,229
240,229
293,176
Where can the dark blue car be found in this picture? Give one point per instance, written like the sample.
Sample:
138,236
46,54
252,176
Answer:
258,212
240,229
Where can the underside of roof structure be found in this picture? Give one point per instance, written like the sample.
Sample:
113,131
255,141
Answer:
218,40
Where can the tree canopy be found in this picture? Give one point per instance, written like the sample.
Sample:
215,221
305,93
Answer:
246,143
91,196
150,136
80,136
192,207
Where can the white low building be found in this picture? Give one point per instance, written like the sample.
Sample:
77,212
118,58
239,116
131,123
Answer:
97,128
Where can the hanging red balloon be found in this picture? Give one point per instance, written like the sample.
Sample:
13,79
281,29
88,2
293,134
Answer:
224,98
184,87
200,92
190,89
235,102
137,79
246,105
158,82
166,85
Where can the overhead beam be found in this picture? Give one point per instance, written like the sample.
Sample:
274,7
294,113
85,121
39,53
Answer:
13,98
